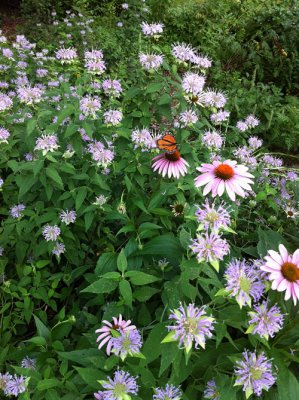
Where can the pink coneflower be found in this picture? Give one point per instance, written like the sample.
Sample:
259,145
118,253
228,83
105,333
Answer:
171,164
284,272
106,331
227,175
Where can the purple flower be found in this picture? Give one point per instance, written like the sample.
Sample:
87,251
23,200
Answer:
5,102
220,116
102,156
4,135
150,61
29,363
272,161
119,325
112,87
242,126
119,387
213,217
192,325
182,52
7,53
15,386
143,138
254,373
169,393
125,6
68,217
16,211
46,143
188,117
66,56
292,176
211,391
265,321
215,99
1,182
41,73
113,117
127,343
30,95
243,282
193,83
120,24
4,379
58,249
94,62
202,62
212,139
51,233
251,121
28,157
152,29
254,142
90,105
209,247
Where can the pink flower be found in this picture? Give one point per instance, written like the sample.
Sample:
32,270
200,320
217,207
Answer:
284,272
226,175
106,332
171,164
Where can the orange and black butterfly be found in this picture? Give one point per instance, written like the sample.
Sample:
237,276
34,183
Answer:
167,143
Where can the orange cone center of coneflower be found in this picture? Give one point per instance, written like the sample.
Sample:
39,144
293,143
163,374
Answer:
175,156
224,172
290,271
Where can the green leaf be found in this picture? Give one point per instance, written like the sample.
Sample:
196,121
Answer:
42,330
101,286
168,355
80,197
140,278
122,263
145,293
48,384
126,292
53,174
38,340
169,338
91,376
268,240
81,356
154,87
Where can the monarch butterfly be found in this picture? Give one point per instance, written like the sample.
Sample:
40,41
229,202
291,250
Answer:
167,143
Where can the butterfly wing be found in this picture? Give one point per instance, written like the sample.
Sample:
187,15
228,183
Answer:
167,143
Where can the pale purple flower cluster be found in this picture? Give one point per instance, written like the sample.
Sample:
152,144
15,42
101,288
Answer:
12,385
90,105
16,211
5,102
112,117
150,61
23,43
66,56
30,95
254,373
215,99
182,52
170,392
212,139
272,161
193,83
112,87
254,142
127,343
101,155
191,325
142,138
292,176
46,143
119,387
58,249
213,217
209,247
250,122
187,118
125,6
243,282
265,321
94,62
219,117
7,53
211,391
200,61
1,182
29,363
41,72
51,233
68,217
152,29
4,135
